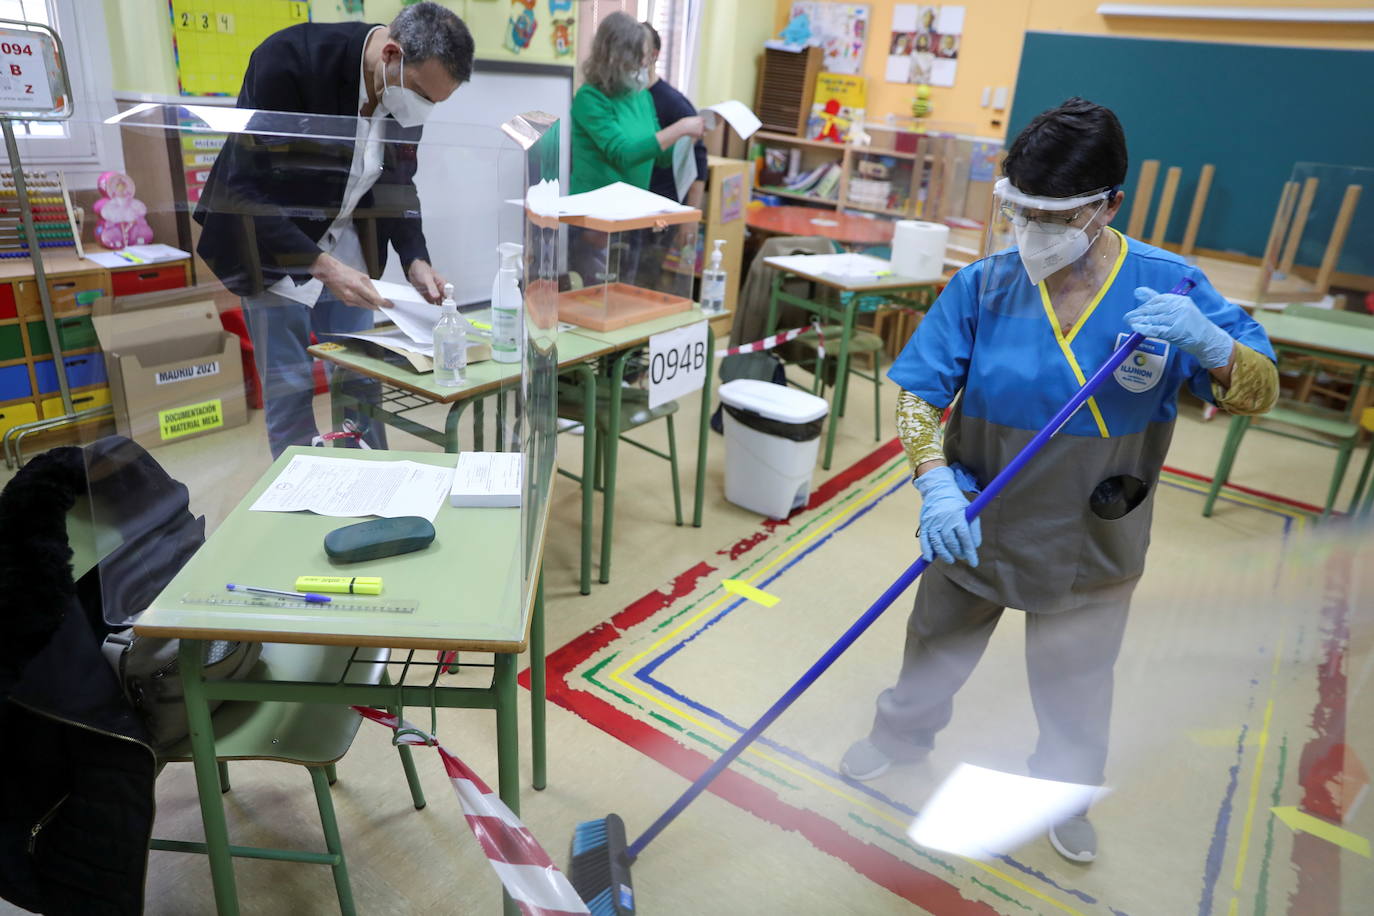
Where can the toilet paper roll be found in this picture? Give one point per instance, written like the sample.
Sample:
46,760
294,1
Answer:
918,249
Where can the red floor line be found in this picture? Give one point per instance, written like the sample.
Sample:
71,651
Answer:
1249,491
1316,861
879,866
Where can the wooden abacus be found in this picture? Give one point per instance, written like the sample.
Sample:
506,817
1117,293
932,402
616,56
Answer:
55,220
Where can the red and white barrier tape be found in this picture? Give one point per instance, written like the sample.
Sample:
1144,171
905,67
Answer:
536,885
776,340
350,431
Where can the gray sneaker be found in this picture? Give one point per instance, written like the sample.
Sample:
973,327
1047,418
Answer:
1075,839
864,761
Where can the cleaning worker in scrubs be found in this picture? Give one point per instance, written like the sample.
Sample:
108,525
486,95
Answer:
1009,341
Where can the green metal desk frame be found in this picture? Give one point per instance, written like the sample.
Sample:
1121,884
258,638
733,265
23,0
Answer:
615,371
1343,337
401,394
843,315
473,628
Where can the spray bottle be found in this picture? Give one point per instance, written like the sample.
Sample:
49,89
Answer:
713,282
450,343
507,306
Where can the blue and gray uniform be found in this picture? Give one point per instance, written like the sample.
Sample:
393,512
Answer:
998,355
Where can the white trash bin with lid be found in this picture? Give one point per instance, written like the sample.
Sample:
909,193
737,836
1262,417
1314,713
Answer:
772,435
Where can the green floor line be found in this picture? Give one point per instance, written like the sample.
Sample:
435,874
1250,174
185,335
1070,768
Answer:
1000,894
934,860
590,676
1262,894
753,766
668,722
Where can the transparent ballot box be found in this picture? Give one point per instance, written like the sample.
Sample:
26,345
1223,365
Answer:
267,356
629,270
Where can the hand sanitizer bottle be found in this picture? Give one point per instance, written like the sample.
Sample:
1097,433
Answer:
713,283
450,343
507,306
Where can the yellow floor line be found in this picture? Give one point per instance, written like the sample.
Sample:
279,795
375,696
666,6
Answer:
1245,830
852,799
745,590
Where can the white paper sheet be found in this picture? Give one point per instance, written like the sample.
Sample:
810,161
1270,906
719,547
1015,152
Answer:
904,17
617,201
898,68
487,479
950,21
398,338
942,72
137,254
410,311
684,165
847,266
738,115
982,813
351,488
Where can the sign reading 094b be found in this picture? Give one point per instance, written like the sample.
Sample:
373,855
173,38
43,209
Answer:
33,76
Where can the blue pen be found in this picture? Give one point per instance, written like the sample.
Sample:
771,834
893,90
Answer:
303,596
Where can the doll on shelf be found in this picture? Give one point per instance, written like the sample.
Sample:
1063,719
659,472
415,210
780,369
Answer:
121,216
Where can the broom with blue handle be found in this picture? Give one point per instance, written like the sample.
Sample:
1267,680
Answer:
601,860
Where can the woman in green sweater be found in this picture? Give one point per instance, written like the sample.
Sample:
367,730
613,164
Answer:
616,137
615,132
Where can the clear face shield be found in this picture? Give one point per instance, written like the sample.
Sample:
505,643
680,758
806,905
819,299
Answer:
1033,239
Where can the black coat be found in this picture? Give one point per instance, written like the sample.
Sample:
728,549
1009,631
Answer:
77,772
273,193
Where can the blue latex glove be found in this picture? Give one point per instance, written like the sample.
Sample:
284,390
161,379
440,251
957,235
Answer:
1177,320
945,533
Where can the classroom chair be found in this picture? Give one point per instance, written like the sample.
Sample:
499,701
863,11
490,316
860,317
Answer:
1339,431
1366,424
634,412
311,735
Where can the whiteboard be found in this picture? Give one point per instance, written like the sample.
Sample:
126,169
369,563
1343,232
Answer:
464,180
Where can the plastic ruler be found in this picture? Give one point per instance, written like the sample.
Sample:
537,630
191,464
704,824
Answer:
268,602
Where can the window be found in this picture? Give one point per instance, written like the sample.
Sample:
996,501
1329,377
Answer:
76,142
677,23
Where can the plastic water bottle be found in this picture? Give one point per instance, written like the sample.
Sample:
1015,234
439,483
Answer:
713,282
450,343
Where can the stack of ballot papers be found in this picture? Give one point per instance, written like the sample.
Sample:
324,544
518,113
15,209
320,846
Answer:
352,487
412,335
487,479
845,266
618,201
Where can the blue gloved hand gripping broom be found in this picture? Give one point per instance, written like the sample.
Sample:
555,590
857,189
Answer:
600,866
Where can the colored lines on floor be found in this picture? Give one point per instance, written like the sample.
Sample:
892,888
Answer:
616,688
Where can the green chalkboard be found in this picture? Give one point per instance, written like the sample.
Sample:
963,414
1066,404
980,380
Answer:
1252,111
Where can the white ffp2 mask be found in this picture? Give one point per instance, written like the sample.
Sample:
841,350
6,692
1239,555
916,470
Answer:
1047,247
408,107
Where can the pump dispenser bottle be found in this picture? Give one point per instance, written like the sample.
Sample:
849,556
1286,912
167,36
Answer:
450,343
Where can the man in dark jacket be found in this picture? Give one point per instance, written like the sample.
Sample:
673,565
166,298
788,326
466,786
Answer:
671,105
299,211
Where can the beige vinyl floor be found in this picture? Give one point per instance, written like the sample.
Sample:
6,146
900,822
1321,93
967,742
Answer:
1217,684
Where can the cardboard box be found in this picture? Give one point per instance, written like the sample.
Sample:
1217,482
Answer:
175,373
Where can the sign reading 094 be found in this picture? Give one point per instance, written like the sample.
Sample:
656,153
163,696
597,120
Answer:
29,72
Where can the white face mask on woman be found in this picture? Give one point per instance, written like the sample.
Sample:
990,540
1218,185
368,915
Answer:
1047,247
408,107
639,79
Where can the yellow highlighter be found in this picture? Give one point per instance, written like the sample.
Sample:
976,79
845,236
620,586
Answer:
341,585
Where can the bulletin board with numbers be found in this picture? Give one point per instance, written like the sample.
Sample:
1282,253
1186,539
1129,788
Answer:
212,39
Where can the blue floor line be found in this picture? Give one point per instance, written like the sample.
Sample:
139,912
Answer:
645,676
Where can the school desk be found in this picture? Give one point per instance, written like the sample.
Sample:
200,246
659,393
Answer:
404,390
479,549
1342,336
850,290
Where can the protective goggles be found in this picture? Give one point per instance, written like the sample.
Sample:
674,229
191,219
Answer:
1020,208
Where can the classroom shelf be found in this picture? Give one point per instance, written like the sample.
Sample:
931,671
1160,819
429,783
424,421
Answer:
781,192
800,141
